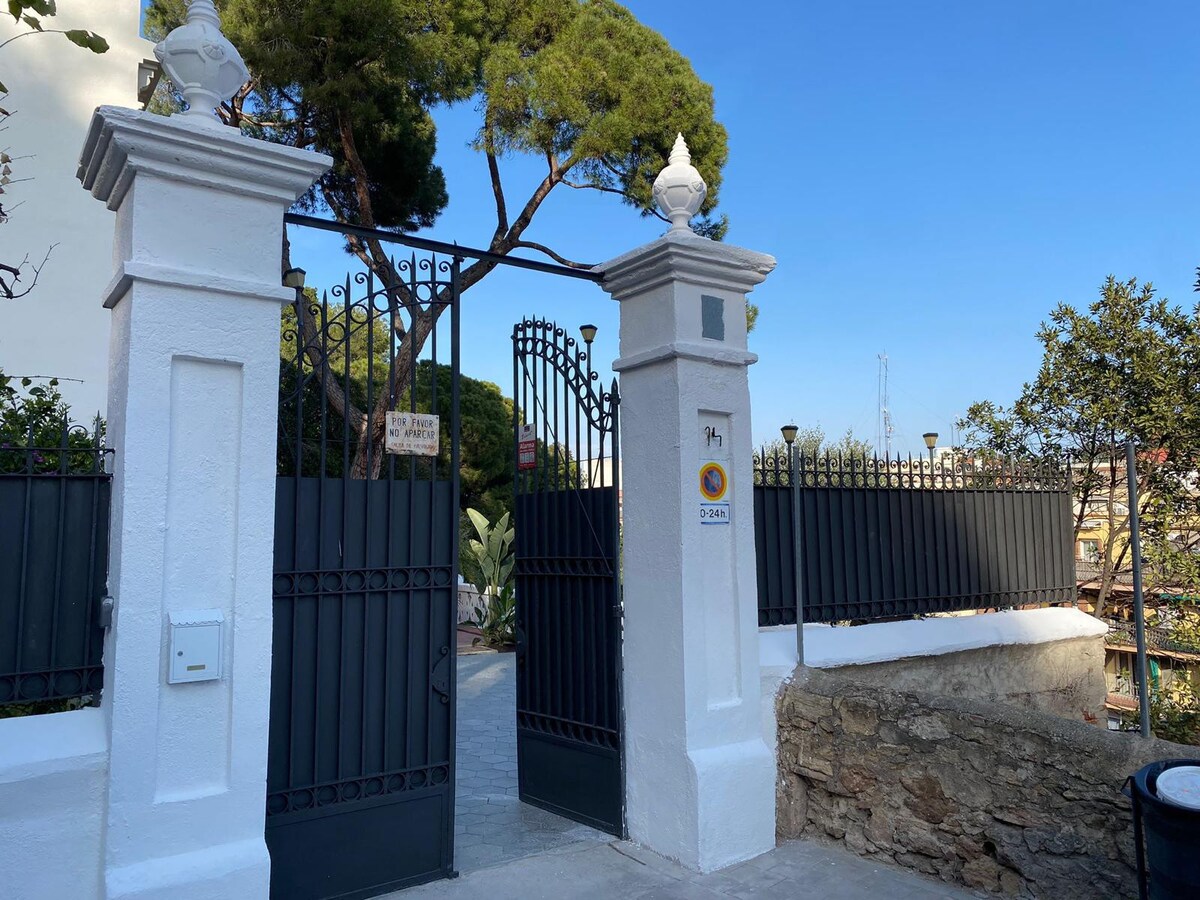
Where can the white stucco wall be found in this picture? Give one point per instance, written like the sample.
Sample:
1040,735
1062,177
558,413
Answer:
826,647
61,328
53,772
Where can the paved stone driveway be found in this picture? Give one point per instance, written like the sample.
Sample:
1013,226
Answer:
506,850
622,871
490,824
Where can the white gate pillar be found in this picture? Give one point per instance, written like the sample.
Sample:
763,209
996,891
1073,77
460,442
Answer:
193,394
700,781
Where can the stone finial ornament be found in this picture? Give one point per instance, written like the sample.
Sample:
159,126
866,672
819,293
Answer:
202,63
679,190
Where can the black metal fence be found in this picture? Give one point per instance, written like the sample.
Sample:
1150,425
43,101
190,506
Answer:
54,501
880,537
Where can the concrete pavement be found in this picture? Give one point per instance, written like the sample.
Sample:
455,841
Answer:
506,850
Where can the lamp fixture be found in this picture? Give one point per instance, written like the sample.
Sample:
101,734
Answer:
294,278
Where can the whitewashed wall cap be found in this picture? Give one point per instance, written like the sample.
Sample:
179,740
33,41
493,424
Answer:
679,190
122,143
686,257
202,63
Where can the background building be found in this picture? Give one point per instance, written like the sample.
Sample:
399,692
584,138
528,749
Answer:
60,329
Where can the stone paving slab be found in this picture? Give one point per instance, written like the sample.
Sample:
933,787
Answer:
491,825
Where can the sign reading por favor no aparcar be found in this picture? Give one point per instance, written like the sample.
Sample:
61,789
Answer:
415,433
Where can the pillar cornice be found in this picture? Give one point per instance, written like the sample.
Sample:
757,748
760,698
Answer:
688,258
699,352
123,143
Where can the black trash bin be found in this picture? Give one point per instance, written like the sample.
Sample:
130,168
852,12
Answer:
1167,837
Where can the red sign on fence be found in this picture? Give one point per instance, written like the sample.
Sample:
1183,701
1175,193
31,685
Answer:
526,448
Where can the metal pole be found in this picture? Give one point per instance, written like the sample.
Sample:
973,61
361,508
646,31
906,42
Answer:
1139,610
797,552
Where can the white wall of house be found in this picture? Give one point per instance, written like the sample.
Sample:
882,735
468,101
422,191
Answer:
61,329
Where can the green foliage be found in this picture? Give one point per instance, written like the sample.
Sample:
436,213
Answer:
1120,369
1126,367
36,430
1183,630
1174,713
494,561
492,551
88,40
44,707
497,623
584,81
579,83
485,414
811,441
1175,703
27,13
31,14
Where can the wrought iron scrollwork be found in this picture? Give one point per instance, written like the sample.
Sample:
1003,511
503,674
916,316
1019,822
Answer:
547,340
834,470
352,353
439,676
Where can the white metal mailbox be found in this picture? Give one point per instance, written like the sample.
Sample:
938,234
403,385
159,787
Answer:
195,645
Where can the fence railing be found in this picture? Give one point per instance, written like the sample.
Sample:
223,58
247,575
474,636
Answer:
54,503
880,538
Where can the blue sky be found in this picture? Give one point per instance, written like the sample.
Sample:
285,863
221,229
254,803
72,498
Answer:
931,176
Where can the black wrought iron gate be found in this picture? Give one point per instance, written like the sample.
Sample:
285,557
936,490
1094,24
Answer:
360,775
567,546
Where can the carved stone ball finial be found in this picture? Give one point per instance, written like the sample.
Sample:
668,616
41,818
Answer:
679,190
202,63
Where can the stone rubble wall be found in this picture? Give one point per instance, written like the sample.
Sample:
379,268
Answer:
1065,678
997,798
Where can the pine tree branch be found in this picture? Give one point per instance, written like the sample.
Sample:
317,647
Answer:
498,193
581,186
494,173
362,178
541,248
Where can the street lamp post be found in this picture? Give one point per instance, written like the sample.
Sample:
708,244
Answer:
930,442
588,333
789,433
1139,606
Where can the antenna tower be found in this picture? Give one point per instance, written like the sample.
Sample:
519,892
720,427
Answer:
884,427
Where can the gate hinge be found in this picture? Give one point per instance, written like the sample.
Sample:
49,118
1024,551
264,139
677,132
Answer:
106,611
618,610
